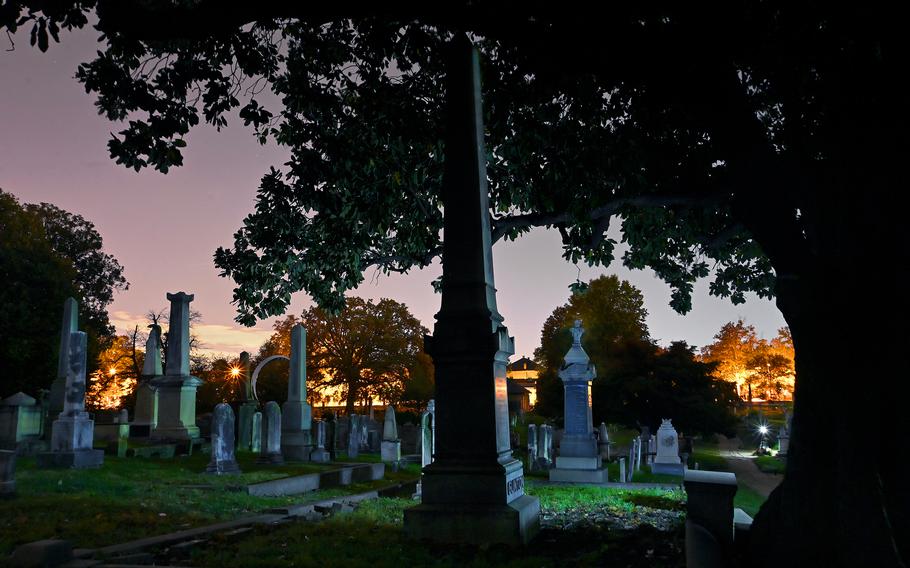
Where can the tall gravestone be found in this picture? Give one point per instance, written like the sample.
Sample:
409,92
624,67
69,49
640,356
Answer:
247,407
603,442
390,450
532,447
296,414
427,434
145,415
579,459
223,461
271,434
667,458
72,433
354,436
474,489
320,454
177,388
68,325
256,433
544,445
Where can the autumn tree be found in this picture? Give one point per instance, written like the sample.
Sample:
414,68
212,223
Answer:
740,357
117,374
760,139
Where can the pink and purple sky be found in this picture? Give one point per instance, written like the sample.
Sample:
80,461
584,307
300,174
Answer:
165,228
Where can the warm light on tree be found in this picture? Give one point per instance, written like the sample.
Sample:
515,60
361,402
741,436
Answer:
759,368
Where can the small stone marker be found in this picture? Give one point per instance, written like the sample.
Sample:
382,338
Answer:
390,449
603,441
320,454
271,435
21,420
223,461
532,447
622,470
73,431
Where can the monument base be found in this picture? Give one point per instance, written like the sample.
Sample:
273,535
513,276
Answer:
296,445
179,433
320,455
223,468
513,524
390,451
570,462
76,460
578,475
669,468
271,459
138,430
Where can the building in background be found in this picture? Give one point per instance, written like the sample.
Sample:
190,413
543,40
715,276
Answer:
524,373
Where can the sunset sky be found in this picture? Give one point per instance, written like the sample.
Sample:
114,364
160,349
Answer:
165,228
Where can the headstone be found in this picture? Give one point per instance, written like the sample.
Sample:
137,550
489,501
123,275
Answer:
21,421
7,474
68,325
391,443
622,470
72,433
544,445
353,436
296,414
256,433
331,440
637,446
603,442
271,434
667,459
653,445
248,405
532,447
579,458
320,454
427,434
177,388
223,461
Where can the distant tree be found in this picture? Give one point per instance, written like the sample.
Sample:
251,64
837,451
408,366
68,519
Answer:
769,373
366,350
759,368
116,376
612,312
649,383
219,385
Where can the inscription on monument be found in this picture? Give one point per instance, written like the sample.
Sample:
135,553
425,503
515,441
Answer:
515,486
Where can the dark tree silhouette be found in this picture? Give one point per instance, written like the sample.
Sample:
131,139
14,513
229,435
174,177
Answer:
756,138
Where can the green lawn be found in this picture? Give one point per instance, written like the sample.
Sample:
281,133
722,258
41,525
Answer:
131,498
770,464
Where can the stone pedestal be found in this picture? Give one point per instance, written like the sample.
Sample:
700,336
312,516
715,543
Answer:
666,460
176,408
145,417
709,504
474,489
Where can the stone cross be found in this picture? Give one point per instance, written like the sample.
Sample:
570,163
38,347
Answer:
178,335
151,366
223,461
271,434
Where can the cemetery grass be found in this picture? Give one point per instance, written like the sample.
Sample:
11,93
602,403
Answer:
130,498
769,464
574,533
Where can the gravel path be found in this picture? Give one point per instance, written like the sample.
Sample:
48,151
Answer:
743,465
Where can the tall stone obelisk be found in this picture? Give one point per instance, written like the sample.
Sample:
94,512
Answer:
474,489
296,414
57,394
177,388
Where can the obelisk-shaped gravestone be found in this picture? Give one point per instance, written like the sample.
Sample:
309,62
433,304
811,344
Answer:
248,405
296,414
390,448
72,431
69,324
578,460
145,417
474,489
177,388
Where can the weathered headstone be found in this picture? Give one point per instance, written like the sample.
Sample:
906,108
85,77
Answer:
579,459
256,433
353,436
7,474
667,458
391,443
177,388
145,415
68,325
544,447
72,432
637,447
603,442
296,414
427,434
271,434
532,447
320,454
622,470
20,422
223,460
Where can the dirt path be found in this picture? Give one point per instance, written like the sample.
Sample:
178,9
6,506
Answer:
743,465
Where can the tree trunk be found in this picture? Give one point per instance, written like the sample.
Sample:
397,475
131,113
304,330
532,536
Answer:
353,393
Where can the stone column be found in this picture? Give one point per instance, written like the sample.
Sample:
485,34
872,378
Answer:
474,490
177,388
296,414
256,433
73,431
390,449
68,325
145,415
